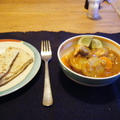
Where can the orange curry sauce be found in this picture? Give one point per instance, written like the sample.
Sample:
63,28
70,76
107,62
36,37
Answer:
115,65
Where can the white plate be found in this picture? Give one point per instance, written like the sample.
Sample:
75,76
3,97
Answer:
28,74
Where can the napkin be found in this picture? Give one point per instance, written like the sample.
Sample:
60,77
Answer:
71,100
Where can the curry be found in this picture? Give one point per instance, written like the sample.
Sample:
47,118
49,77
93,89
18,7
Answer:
91,58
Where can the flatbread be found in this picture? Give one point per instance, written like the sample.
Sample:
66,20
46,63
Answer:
22,61
6,60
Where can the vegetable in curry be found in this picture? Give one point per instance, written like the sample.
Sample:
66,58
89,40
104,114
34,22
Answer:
91,58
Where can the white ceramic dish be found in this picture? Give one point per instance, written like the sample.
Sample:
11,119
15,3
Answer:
66,47
27,75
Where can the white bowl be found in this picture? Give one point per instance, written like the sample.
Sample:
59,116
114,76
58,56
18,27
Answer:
67,46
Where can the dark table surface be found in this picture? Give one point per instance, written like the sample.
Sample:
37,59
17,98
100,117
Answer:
71,100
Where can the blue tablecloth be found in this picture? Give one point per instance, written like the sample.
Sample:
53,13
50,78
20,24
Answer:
71,101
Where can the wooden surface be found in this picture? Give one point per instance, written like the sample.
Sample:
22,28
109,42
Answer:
55,15
116,6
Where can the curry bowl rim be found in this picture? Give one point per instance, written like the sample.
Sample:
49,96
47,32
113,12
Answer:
80,75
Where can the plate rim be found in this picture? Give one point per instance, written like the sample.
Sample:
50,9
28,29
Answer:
34,70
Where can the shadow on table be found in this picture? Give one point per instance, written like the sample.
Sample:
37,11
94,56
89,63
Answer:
93,95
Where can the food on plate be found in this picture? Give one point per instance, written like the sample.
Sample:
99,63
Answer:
6,60
19,64
92,58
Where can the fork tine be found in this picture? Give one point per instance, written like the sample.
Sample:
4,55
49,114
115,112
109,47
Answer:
49,46
44,46
41,45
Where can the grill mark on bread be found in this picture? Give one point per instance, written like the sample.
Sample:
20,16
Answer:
20,63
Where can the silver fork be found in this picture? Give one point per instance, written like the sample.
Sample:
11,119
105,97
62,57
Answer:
46,54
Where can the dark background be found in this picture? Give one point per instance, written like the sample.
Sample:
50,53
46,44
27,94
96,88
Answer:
71,100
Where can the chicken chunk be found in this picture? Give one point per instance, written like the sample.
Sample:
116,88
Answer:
82,50
93,67
77,63
99,52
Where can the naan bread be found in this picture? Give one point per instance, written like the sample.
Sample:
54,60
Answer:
6,60
22,61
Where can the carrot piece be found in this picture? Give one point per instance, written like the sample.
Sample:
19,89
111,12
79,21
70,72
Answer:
65,61
107,62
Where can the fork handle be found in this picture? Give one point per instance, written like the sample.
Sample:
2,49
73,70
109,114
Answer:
47,95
